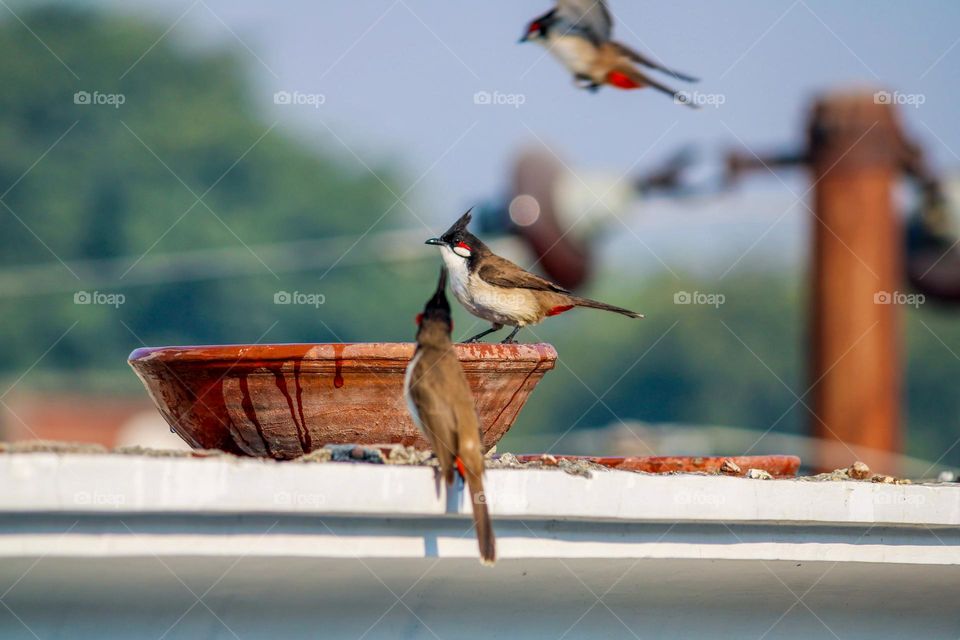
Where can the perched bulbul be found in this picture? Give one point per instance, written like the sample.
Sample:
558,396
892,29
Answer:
497,290
442,406
578,32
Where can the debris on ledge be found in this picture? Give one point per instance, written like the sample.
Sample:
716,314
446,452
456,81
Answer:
400,455
730,468
87,448
859,472
583,468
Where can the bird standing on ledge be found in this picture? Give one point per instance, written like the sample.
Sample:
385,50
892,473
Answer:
497,290
578,32
442,406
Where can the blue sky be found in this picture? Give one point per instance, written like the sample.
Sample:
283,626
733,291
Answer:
399,78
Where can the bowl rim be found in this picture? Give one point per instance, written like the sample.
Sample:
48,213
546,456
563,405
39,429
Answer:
333,351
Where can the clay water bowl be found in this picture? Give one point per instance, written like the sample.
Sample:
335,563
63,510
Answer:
281,401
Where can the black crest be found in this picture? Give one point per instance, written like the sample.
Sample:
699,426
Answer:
458,229
438,307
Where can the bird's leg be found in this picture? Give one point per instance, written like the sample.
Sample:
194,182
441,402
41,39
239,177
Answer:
586,82
509,339
476,338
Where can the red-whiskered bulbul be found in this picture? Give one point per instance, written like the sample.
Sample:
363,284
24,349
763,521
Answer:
578,33
497,290
442,406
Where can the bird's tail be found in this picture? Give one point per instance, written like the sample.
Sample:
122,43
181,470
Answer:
651,62
473,474
593,304
628,77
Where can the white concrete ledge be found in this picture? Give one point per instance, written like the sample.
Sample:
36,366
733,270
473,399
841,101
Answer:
42,483
111,505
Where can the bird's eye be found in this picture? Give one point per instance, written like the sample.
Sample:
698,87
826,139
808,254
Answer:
419,319
463,250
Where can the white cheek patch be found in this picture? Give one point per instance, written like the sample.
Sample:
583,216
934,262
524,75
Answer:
463,252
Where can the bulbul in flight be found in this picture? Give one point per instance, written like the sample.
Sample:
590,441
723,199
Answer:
578,33
497,290
442,406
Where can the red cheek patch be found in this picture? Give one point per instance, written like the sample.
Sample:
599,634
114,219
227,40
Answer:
621,80
419,319
558,310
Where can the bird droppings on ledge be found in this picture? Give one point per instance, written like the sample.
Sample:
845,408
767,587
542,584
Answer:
317,455
51,446
583,468
858,471
758,474
344,453
137,450
399,455
88,448
730,468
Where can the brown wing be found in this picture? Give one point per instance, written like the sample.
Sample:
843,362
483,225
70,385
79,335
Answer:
503,273
445,406
589,16
432,385
470,452
649,62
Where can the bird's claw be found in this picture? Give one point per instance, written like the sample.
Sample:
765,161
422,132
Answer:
509,341
585,82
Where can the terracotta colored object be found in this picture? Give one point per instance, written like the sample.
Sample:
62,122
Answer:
857,152
281,401
777,466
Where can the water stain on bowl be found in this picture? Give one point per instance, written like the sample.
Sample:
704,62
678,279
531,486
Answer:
281,401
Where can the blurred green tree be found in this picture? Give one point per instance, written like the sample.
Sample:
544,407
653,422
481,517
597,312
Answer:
87,181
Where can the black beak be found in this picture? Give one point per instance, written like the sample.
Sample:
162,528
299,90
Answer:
436,241
523,38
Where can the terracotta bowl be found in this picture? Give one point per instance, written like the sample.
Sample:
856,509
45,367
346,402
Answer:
281,401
